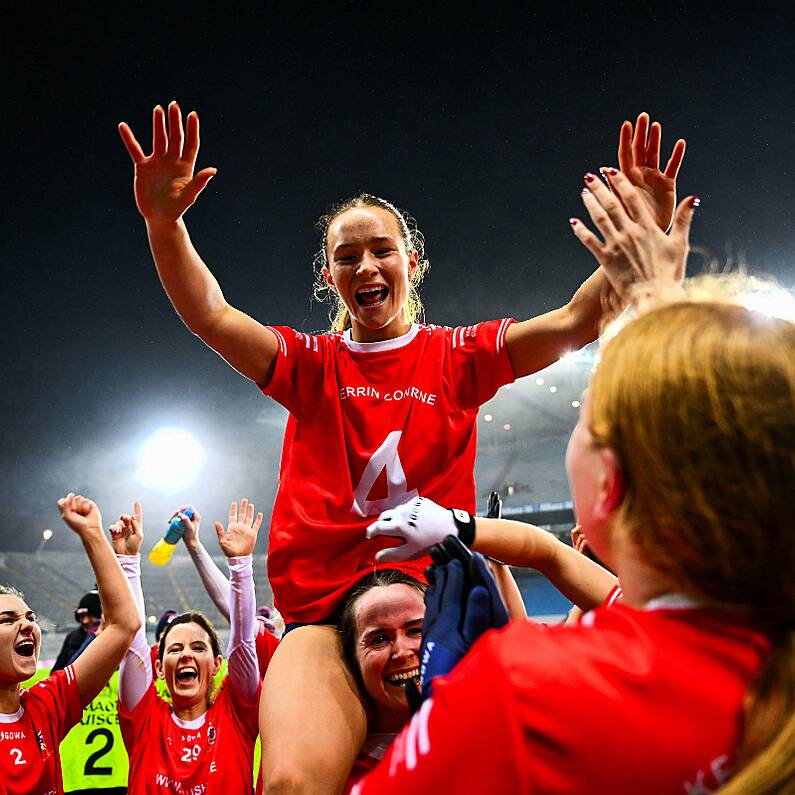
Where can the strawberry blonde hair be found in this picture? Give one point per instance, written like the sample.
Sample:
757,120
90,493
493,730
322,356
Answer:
697,400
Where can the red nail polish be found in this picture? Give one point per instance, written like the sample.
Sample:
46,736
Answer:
612,171
573,221
589,177
695,202
585,191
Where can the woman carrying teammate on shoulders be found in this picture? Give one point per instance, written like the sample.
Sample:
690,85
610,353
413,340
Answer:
203,741
33,722
380,394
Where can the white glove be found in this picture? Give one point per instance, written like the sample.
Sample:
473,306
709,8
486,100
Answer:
421,523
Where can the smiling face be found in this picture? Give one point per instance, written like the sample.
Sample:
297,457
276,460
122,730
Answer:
188,665
388,636
370,270
20,639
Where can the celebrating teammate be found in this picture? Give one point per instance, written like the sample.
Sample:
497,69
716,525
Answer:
381,409
682,468
202,741
33,722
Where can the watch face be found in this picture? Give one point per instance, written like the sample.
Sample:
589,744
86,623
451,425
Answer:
461,516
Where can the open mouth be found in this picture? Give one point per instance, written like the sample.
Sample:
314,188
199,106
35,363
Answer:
371,296
187,675
25,648
404,677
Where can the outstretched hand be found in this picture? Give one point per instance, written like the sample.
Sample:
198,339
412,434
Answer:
640,259
127,534
165,185
81,514
639,161
241,533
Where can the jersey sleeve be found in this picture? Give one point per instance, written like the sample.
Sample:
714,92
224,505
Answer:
297,380
59,697
478,363
266,643
434,754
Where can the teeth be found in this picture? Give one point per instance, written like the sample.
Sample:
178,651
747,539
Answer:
404,677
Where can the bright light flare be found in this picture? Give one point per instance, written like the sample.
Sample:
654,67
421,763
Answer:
772,301
47,534
170,459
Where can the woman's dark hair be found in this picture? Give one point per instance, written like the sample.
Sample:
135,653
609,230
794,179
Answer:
346,625
191,617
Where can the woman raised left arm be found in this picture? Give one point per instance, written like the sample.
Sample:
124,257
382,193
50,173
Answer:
237,543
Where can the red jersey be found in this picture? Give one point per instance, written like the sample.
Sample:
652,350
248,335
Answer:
371,425
212,754
29,739
626,702
371,753
265,644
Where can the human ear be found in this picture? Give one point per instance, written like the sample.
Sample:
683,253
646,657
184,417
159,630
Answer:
329,279
414,259
611,486
159,672
217,664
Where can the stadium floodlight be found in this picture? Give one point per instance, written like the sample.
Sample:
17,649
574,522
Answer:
770,300
47,534
169,459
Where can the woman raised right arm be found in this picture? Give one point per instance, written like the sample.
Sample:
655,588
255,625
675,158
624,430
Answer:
165,187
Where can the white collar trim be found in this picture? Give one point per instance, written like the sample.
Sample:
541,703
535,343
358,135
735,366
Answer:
382,345
196,723
13,717
671,601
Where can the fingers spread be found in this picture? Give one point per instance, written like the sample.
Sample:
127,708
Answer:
653,147
625,161
636,208
675,161
158,131
175,135
131,144
191,147
639,141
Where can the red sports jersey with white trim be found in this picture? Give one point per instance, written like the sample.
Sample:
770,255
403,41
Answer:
210,755
630,702
371,753
265,644
371,425
29,739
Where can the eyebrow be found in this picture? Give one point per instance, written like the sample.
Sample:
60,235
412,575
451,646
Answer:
30,615
379,630
377,239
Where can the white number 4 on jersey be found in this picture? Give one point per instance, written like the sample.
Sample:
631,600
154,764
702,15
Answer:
385,457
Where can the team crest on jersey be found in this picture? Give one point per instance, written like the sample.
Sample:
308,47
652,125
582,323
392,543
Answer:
211,732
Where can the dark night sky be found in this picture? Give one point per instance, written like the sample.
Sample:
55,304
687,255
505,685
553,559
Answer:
481,123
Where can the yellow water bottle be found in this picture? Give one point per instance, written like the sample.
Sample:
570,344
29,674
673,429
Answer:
163,550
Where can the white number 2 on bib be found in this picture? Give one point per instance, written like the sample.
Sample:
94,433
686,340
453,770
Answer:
385,457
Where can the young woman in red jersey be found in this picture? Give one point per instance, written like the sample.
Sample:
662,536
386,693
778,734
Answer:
682,469
202,741
381,409
33,722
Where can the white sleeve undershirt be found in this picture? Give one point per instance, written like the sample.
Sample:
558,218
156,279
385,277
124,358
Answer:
135,673
215,583
243,669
